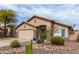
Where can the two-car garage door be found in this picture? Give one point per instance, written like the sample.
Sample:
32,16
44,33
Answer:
26,34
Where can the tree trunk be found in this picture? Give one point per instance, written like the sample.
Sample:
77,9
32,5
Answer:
11,32
5,32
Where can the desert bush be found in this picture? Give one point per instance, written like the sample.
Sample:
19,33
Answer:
28,48
57,40
15,44
40,41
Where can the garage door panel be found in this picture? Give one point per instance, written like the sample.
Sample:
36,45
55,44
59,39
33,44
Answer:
26,34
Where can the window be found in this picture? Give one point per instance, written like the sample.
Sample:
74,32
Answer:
60,32
57,33
63,32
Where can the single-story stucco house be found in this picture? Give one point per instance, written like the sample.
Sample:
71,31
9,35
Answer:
10,28
27,30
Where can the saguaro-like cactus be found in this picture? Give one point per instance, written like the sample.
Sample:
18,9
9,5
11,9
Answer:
28,48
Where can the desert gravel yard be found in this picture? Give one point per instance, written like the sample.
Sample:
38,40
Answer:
68,48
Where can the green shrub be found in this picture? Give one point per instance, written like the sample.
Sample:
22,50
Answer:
43,36
40,41
15,44
57,40
28,48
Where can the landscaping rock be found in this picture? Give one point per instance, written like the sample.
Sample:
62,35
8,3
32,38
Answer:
68,47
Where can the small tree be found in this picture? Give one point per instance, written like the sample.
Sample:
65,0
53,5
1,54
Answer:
11,27
42,34
53,31
7,16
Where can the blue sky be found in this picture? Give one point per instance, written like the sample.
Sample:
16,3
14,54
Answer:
64,13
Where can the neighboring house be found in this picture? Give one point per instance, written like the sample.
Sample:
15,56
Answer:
28,30
10,28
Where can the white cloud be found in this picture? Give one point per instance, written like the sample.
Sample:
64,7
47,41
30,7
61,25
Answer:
64,13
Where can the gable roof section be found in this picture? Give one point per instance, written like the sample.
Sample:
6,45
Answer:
70,27
25,23
45,19
62,24
42,18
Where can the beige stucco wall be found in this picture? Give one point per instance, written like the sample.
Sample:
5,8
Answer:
63,27
43,22
74,36
25,26
40,22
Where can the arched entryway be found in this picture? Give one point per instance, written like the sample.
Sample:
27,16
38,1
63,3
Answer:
41,31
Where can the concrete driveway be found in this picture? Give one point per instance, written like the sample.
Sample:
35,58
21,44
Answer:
7,41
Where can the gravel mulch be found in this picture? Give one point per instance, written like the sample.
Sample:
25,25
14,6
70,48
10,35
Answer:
68,48
10,50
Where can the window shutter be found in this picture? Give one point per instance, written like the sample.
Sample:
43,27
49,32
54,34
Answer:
63,32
